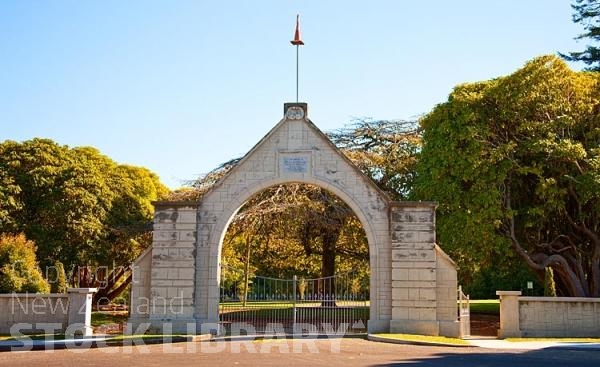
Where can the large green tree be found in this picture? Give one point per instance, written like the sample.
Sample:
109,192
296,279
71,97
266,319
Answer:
79,207
514,164
384,150
587,13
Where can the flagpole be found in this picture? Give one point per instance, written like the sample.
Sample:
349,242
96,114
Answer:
297,70
297,41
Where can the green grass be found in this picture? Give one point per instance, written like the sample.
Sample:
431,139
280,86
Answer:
424,339
485,306
238,312
102,318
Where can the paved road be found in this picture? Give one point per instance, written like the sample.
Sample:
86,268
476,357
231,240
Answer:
292,353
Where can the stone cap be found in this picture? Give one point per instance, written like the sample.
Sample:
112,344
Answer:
82,290
508,293
412,204
174,204
561,299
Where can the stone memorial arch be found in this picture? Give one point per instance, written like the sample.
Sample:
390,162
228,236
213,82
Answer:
413,285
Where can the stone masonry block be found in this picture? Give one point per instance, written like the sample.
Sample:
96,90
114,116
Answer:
400,313
171,243
413,255
173,273
412,284
166,216
410,265
412,227
186,253
410,236
400,293
427,294
173,226
187,216
183,283
187,235
413,246
411,216
400,274
186,274
428,274
173,264
158,273
167,235
162,283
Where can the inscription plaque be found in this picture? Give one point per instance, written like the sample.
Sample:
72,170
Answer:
296,164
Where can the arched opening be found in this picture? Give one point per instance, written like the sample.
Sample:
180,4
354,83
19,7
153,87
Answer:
294,256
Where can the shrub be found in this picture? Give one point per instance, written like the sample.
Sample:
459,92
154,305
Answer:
57,278
549,286
19,270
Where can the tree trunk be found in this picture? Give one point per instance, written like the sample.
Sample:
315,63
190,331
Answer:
328,258
328,267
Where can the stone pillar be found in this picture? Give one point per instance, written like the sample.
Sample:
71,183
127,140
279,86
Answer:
79,319
414,298
509,314
173,266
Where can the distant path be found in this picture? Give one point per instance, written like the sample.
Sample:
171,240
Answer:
346,352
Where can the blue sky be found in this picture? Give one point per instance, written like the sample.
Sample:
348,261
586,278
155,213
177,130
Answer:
181,86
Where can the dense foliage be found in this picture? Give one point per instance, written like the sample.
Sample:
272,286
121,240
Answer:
587,13
19,270
384,150
78,206
514,164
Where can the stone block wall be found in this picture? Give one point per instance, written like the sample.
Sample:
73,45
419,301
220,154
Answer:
140,285
33,308
446,290
413,261
559,317
423,277
28,313
172,269
548,316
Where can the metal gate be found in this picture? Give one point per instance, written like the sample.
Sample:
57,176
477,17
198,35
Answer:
262,305
464,314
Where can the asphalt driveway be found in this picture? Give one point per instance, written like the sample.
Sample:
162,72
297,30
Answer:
305,352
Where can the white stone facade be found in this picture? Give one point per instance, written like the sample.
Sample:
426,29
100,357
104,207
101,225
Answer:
404,262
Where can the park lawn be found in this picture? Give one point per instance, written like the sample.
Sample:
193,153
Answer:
100,318
485,306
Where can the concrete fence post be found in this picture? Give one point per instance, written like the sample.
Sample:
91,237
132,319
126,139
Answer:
80,311
509,314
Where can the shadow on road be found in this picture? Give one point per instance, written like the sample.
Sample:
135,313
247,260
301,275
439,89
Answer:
551,357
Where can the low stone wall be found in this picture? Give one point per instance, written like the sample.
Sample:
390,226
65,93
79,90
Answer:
548,316
27,313
33,309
